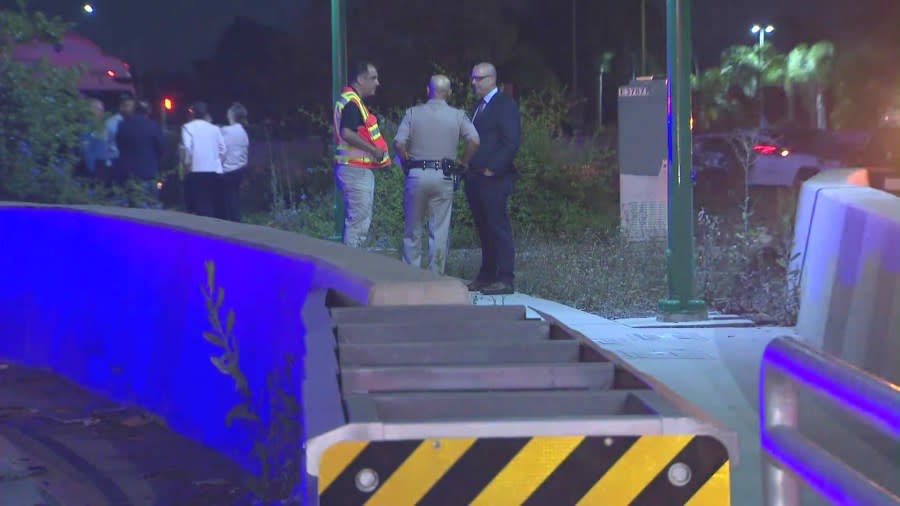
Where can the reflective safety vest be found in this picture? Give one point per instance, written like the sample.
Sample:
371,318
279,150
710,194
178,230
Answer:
345,154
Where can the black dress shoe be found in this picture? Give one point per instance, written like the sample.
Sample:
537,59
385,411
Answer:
498,288
477,285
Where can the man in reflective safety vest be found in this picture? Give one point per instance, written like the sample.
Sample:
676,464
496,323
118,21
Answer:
360,148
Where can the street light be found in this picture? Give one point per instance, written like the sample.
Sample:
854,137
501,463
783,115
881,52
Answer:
88,9
762,31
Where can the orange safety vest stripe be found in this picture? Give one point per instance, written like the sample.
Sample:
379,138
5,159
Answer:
345,154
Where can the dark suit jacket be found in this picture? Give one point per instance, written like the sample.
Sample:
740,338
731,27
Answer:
140,143
498,128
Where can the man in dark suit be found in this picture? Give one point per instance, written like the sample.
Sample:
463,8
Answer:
489,181
140,143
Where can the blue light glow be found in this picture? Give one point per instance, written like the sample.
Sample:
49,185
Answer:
822,486
886,416
116,306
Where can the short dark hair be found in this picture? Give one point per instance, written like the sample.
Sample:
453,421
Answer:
142,106
357,69
199,109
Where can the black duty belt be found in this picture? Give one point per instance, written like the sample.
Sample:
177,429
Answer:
424,164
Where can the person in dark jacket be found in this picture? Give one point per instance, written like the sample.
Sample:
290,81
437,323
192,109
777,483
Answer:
489,181
140,143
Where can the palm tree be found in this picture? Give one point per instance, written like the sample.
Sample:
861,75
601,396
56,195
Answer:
807,73
821,54
752,68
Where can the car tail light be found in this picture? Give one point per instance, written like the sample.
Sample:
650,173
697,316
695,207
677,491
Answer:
771,149
765,149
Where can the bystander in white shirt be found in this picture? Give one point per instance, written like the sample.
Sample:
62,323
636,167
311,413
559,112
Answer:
203,145
237,144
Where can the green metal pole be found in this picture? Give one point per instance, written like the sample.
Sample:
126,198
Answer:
338,79
681,305
643,37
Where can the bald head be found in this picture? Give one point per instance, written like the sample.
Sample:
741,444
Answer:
439,87
96,107
484,79
486,68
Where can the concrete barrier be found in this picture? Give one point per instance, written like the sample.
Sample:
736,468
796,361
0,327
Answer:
850,280
806,205
111,299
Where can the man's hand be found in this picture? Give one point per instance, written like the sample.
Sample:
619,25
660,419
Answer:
358,142
488,173
400,150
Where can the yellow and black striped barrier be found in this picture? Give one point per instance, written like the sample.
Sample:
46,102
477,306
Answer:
657,470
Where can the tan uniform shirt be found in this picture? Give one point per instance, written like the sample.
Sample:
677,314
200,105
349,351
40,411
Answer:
431,131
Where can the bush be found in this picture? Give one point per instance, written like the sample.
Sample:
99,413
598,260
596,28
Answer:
743,269
565,186
42,116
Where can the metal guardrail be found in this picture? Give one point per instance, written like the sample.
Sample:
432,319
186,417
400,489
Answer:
791,459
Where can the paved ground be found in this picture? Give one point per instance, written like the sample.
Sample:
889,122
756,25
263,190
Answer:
717,369
59,442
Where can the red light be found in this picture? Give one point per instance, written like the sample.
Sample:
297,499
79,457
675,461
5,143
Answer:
765,149
168,104
111,73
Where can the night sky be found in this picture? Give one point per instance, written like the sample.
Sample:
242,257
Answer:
165,33
169,34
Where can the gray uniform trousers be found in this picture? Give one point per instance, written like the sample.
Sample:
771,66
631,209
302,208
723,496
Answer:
427,198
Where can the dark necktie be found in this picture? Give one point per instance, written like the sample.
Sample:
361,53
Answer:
478,109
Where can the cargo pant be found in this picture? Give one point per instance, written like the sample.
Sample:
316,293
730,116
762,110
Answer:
358,188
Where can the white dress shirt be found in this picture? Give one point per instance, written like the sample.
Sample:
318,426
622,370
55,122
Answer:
237,144
112,128
203,145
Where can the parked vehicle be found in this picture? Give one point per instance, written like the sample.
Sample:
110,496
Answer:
105,77
771,158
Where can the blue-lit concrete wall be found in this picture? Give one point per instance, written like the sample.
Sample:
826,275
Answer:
116,305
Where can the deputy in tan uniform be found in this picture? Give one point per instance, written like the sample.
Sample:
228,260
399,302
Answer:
429,133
